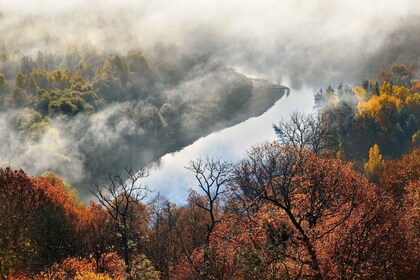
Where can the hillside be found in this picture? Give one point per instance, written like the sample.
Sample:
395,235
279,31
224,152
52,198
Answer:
87,114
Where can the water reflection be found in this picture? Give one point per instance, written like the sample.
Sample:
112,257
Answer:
173,180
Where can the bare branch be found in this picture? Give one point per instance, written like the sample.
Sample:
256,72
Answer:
305,131
118,197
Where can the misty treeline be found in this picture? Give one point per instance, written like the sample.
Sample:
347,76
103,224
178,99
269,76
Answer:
64,112
316,204
384,112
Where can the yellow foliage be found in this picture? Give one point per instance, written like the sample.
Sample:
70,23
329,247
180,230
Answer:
413,99
340,152
401,92
413,104
375,161
416,138
360,93
380,108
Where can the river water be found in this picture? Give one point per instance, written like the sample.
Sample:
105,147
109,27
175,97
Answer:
171,178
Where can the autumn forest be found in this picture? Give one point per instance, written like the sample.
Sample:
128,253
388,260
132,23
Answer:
336,195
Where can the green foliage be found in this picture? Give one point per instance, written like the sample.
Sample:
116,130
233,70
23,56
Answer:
253,262
56,180
386,114
66,102
32,122
18,98
170,97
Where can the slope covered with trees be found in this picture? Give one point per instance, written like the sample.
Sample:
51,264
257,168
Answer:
280,213
383,111
308,206
124,109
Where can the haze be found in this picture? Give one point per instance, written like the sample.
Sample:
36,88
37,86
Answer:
308,41
300,44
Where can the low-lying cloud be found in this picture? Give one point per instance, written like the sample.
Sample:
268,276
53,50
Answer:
310,42
307,44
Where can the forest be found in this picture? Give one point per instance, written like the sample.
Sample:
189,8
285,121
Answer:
95,95
125,109
336,196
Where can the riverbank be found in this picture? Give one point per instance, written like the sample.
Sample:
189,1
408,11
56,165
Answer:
171,179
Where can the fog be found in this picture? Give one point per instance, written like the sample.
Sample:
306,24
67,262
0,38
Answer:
172,179
328,41
305,45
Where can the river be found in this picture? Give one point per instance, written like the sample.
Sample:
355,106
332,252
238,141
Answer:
171,178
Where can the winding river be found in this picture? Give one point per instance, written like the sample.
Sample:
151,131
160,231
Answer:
171,178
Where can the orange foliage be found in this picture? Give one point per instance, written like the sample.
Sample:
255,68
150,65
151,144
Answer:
398,174
327,217
287,213
416,87
75,268
29,205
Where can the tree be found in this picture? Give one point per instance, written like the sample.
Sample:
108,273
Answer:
383,109
83,268
164,248
17,199
38,222
395,175
96,233
211,174
120,198
142,269
374,164
305,131
314,197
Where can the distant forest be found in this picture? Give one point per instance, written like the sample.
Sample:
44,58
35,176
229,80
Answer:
86,113
335,197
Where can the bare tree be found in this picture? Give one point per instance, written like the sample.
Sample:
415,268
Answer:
119,197
211,174
305,131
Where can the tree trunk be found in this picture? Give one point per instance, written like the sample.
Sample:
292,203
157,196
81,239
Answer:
314,259
206,257
311,250
124,242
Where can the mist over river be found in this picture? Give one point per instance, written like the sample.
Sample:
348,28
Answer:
173,180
